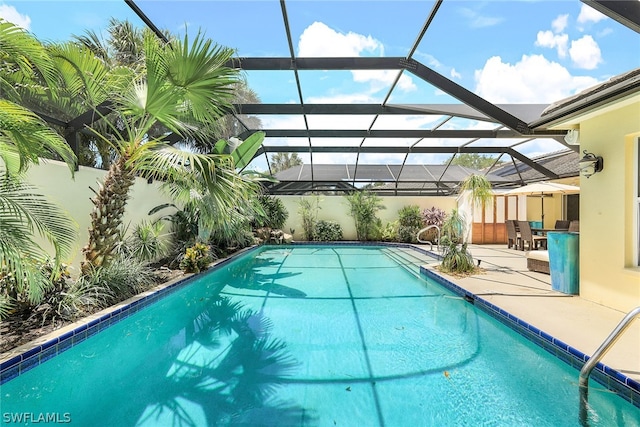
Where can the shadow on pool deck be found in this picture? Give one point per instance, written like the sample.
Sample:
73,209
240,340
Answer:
582,324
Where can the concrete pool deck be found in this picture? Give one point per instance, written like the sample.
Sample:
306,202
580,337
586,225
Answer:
507,283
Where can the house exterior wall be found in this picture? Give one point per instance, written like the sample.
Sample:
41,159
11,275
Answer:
336,208
73,195
609,273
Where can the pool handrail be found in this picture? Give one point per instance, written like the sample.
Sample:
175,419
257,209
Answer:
429,227
583,379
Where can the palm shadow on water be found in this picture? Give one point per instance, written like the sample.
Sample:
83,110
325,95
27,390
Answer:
227,371
251,276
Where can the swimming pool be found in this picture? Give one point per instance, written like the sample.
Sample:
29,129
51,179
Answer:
309,335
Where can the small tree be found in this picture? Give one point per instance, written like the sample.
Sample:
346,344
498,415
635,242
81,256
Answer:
410,222
363,208
453,227
308,210
480,191
275,214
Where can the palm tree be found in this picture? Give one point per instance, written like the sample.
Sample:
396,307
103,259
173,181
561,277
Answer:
24,138
480,193
283,161
183,87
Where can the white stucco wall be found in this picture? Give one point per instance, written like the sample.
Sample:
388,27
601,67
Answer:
336,208
54,180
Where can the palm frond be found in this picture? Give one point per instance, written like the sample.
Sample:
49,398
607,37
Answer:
188,82
20,49
24,213
24,133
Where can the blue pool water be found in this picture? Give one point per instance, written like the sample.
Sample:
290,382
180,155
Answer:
310,336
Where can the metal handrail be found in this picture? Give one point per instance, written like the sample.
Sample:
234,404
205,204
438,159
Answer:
583,380
429,227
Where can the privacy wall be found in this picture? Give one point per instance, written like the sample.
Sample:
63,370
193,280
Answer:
73,194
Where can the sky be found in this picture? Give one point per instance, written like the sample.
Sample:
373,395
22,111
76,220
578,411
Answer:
517,51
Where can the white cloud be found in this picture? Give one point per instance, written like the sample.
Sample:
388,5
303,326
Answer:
9,13
382,79
533,79
560,23
345,98
550,40
318,40
585,53
589,14
454,74
477,20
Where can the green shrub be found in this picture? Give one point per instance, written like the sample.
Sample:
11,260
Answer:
327,231
308,210
275,214
453,227
196,258
409,223
456,258
433,216
388,232
146,243
109,284
363,206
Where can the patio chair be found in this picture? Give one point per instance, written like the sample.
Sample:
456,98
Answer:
513,236
526,236
562,225
574,226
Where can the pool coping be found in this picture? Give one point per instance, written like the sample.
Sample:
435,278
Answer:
29,355
613,380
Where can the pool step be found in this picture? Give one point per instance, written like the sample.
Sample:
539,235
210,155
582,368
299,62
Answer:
407,259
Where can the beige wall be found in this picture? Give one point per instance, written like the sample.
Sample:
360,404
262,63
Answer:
609,273
336,208
54,180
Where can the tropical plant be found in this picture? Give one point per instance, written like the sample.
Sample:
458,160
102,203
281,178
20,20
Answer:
196,258
409,223
184,86
432,216
456,258
308,210
24,138
480,189
24,214
283,161
275,214
480,193
363,206
117,281
183,231
123,45
453,227
389,231
147,242
327,231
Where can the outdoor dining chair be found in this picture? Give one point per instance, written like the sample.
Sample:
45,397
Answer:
513,236
574,226
527,237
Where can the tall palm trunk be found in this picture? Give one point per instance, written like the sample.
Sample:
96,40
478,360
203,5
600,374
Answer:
106,218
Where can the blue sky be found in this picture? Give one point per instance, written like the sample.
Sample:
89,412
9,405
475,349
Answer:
505,51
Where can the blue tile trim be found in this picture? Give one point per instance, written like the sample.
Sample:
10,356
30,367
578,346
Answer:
625,387
32,357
